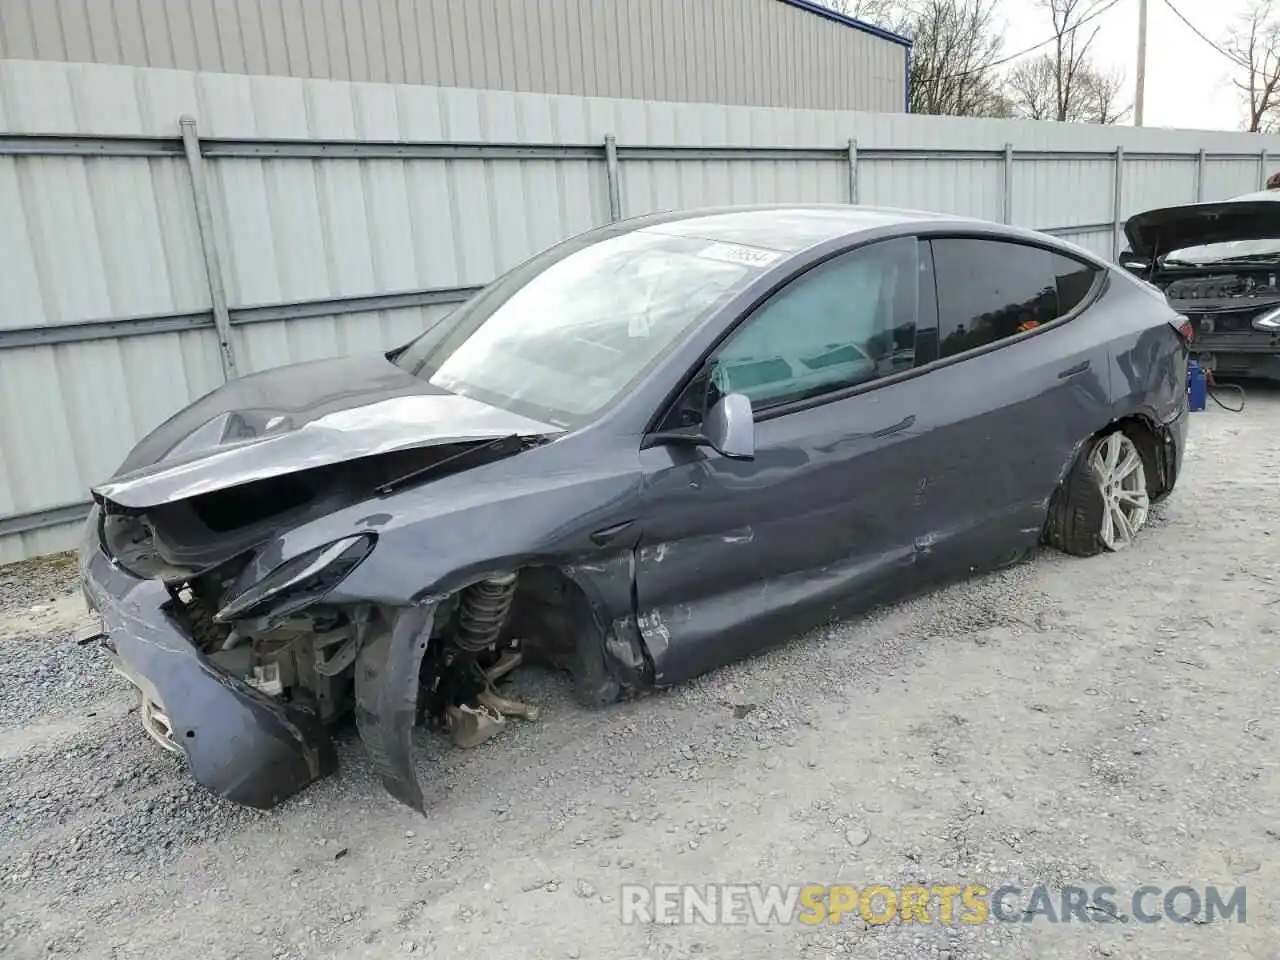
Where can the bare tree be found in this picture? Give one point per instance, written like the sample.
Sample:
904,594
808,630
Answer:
955,44
1064,83
1070,51
1033,89
879,12
1254,45
1099,97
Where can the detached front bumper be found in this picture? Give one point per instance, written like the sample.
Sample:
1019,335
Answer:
238,742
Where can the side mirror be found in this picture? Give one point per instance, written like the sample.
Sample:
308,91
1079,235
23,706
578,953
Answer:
730,428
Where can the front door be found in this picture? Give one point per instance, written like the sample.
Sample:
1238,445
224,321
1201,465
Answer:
735,555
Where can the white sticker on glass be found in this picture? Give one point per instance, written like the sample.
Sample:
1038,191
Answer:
736,253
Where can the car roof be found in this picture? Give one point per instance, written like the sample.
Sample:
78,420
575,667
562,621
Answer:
784,228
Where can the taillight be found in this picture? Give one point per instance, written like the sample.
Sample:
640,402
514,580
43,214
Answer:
1184,327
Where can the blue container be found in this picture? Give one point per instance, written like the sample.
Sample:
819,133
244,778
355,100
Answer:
1197,387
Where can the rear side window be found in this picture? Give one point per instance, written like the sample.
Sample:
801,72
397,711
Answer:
1075,279
991,289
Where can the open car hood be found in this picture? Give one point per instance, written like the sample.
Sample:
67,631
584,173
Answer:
296,418
1161,231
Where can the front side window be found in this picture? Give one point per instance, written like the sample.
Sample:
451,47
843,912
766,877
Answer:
566,341
845,322
991,289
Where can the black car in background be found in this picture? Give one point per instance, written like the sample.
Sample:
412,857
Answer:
652,449
1219,265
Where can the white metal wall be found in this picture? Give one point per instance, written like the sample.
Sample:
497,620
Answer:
763,52
115,238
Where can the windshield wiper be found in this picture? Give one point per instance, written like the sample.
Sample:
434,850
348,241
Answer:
494,449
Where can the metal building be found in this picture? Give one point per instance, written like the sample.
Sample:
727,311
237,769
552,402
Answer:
780,53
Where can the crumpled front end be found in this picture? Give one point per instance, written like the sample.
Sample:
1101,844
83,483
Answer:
242,666
237,740
239,560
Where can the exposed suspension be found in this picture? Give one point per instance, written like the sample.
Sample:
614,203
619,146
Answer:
482,612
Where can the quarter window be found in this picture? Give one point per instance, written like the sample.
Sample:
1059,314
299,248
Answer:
843,323
990,289
1074,279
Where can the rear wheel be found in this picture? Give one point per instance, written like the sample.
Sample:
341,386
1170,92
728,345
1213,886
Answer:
1104,501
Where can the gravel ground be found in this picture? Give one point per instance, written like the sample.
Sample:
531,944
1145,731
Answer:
1067,722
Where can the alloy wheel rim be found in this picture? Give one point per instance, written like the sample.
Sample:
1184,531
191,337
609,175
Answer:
1122,479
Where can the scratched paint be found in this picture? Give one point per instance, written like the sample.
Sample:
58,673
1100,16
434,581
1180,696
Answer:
654,631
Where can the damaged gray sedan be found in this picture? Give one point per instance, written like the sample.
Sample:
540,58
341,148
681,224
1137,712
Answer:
655,448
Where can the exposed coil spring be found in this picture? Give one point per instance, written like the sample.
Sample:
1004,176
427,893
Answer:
482,612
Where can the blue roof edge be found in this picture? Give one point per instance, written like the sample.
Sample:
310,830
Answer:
810,7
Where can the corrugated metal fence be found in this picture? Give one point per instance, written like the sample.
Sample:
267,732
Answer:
143,260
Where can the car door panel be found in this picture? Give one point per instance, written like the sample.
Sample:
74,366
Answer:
1008,423
735,555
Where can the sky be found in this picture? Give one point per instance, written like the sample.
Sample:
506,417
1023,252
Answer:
1188,82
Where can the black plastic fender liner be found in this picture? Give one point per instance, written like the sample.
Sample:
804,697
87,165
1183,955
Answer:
387,695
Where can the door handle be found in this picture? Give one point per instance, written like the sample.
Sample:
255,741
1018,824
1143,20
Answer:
1075,371
896,428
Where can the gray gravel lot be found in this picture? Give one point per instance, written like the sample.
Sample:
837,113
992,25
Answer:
1067,722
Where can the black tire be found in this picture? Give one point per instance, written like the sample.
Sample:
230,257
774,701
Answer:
1074,523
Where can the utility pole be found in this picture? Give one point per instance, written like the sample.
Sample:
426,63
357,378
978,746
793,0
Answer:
1138,94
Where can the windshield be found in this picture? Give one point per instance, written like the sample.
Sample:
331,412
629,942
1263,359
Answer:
1207,254
564,341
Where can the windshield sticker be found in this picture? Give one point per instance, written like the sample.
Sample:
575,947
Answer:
638,325
736,253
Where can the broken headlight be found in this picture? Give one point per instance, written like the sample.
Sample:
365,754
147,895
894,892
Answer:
300,582
1269,322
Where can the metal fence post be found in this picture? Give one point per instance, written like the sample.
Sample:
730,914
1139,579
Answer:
853,171
1263,160
1117,209
611,170
1008,183
1200,165
209,245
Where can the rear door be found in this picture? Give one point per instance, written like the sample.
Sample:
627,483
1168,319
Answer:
1018,385
737,555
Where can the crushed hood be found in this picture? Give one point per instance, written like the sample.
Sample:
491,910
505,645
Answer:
1251,217
295,418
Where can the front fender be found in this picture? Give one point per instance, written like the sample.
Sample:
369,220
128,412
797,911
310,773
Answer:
436,538
392,645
